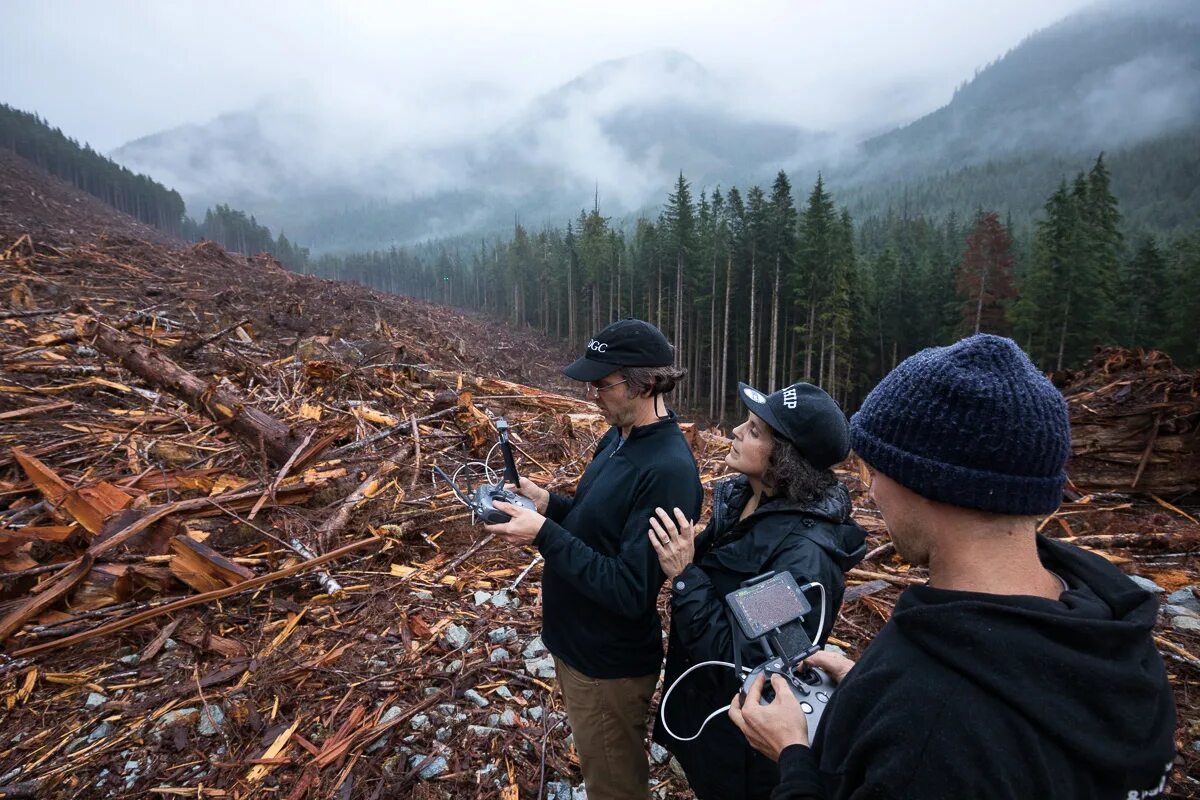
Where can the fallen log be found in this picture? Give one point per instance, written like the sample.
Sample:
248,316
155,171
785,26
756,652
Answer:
169,608
256,428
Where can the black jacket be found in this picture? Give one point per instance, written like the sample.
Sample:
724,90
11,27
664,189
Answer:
601,580
814,542
996,696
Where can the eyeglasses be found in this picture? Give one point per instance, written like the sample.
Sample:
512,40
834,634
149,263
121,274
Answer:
592,390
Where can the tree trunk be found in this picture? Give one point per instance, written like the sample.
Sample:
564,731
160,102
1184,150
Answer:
712,342
774,330
725,340
256,428
808,337
753,338
1062,336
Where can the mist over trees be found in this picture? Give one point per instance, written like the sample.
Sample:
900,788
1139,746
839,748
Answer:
763,287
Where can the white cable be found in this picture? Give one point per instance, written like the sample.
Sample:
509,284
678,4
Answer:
662,709
821,621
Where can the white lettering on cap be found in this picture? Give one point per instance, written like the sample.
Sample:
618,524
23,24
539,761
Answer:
755,395
597,346
789,397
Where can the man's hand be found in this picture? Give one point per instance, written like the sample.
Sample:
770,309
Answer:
674,540
770,728
539,496
522,528
834,665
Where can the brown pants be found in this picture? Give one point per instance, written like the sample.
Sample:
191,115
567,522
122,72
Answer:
608,718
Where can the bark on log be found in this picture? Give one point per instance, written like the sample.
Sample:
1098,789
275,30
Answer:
254,427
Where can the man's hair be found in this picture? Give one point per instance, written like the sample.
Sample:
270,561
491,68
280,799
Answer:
651,381
791,475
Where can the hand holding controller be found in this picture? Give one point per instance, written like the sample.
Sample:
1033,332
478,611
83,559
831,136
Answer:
812,688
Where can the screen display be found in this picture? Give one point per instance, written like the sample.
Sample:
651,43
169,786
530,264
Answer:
765,606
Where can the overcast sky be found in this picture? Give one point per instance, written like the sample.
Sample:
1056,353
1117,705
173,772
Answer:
108,72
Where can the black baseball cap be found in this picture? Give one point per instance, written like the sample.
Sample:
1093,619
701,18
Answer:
807,417
628,343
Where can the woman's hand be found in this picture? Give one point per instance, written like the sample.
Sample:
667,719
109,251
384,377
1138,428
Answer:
674,540
539,496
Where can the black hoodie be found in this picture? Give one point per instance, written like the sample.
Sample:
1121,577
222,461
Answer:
998,696
814,541
601,581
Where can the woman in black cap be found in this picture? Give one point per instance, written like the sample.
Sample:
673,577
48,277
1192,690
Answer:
784,511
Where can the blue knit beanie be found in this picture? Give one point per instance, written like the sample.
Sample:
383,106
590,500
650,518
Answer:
974,424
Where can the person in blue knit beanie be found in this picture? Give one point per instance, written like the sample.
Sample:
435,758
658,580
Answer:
1024,667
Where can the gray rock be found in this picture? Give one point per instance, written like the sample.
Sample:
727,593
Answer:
443,734
77,744
482,597
391,714
527,694
504,692
423,595
1186,623
488,769
1185,597
94,700
502,599
1147,584
499,655
509,719
476,698
187,715
212,718
535,712
419,722
833,648
658,753
493,720
558,790
677,769
438,766
133,770
430,691
535,648
170,644
130,661
457,636
501,635
540,667
446,709
483,731
456,665
1179,611
9,776
1196,746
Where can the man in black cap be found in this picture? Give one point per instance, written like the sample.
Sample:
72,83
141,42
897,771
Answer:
1024,667
601,580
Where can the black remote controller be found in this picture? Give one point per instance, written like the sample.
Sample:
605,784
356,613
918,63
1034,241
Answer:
487,496
812,689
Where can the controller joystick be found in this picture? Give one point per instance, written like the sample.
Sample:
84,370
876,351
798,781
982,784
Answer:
812,696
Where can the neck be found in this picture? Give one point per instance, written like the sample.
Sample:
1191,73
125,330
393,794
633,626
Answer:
756,492
647,414
997,557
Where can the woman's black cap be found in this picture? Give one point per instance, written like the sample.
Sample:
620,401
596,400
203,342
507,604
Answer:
807,417
628,343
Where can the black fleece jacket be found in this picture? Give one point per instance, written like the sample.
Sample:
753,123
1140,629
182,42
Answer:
814,541
601,580
994,696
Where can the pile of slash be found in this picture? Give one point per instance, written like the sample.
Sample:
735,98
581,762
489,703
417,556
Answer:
225,570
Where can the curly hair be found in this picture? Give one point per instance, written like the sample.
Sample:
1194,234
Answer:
791,475
651,381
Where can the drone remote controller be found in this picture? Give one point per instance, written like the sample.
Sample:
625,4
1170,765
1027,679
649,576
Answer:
812,689
482,501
